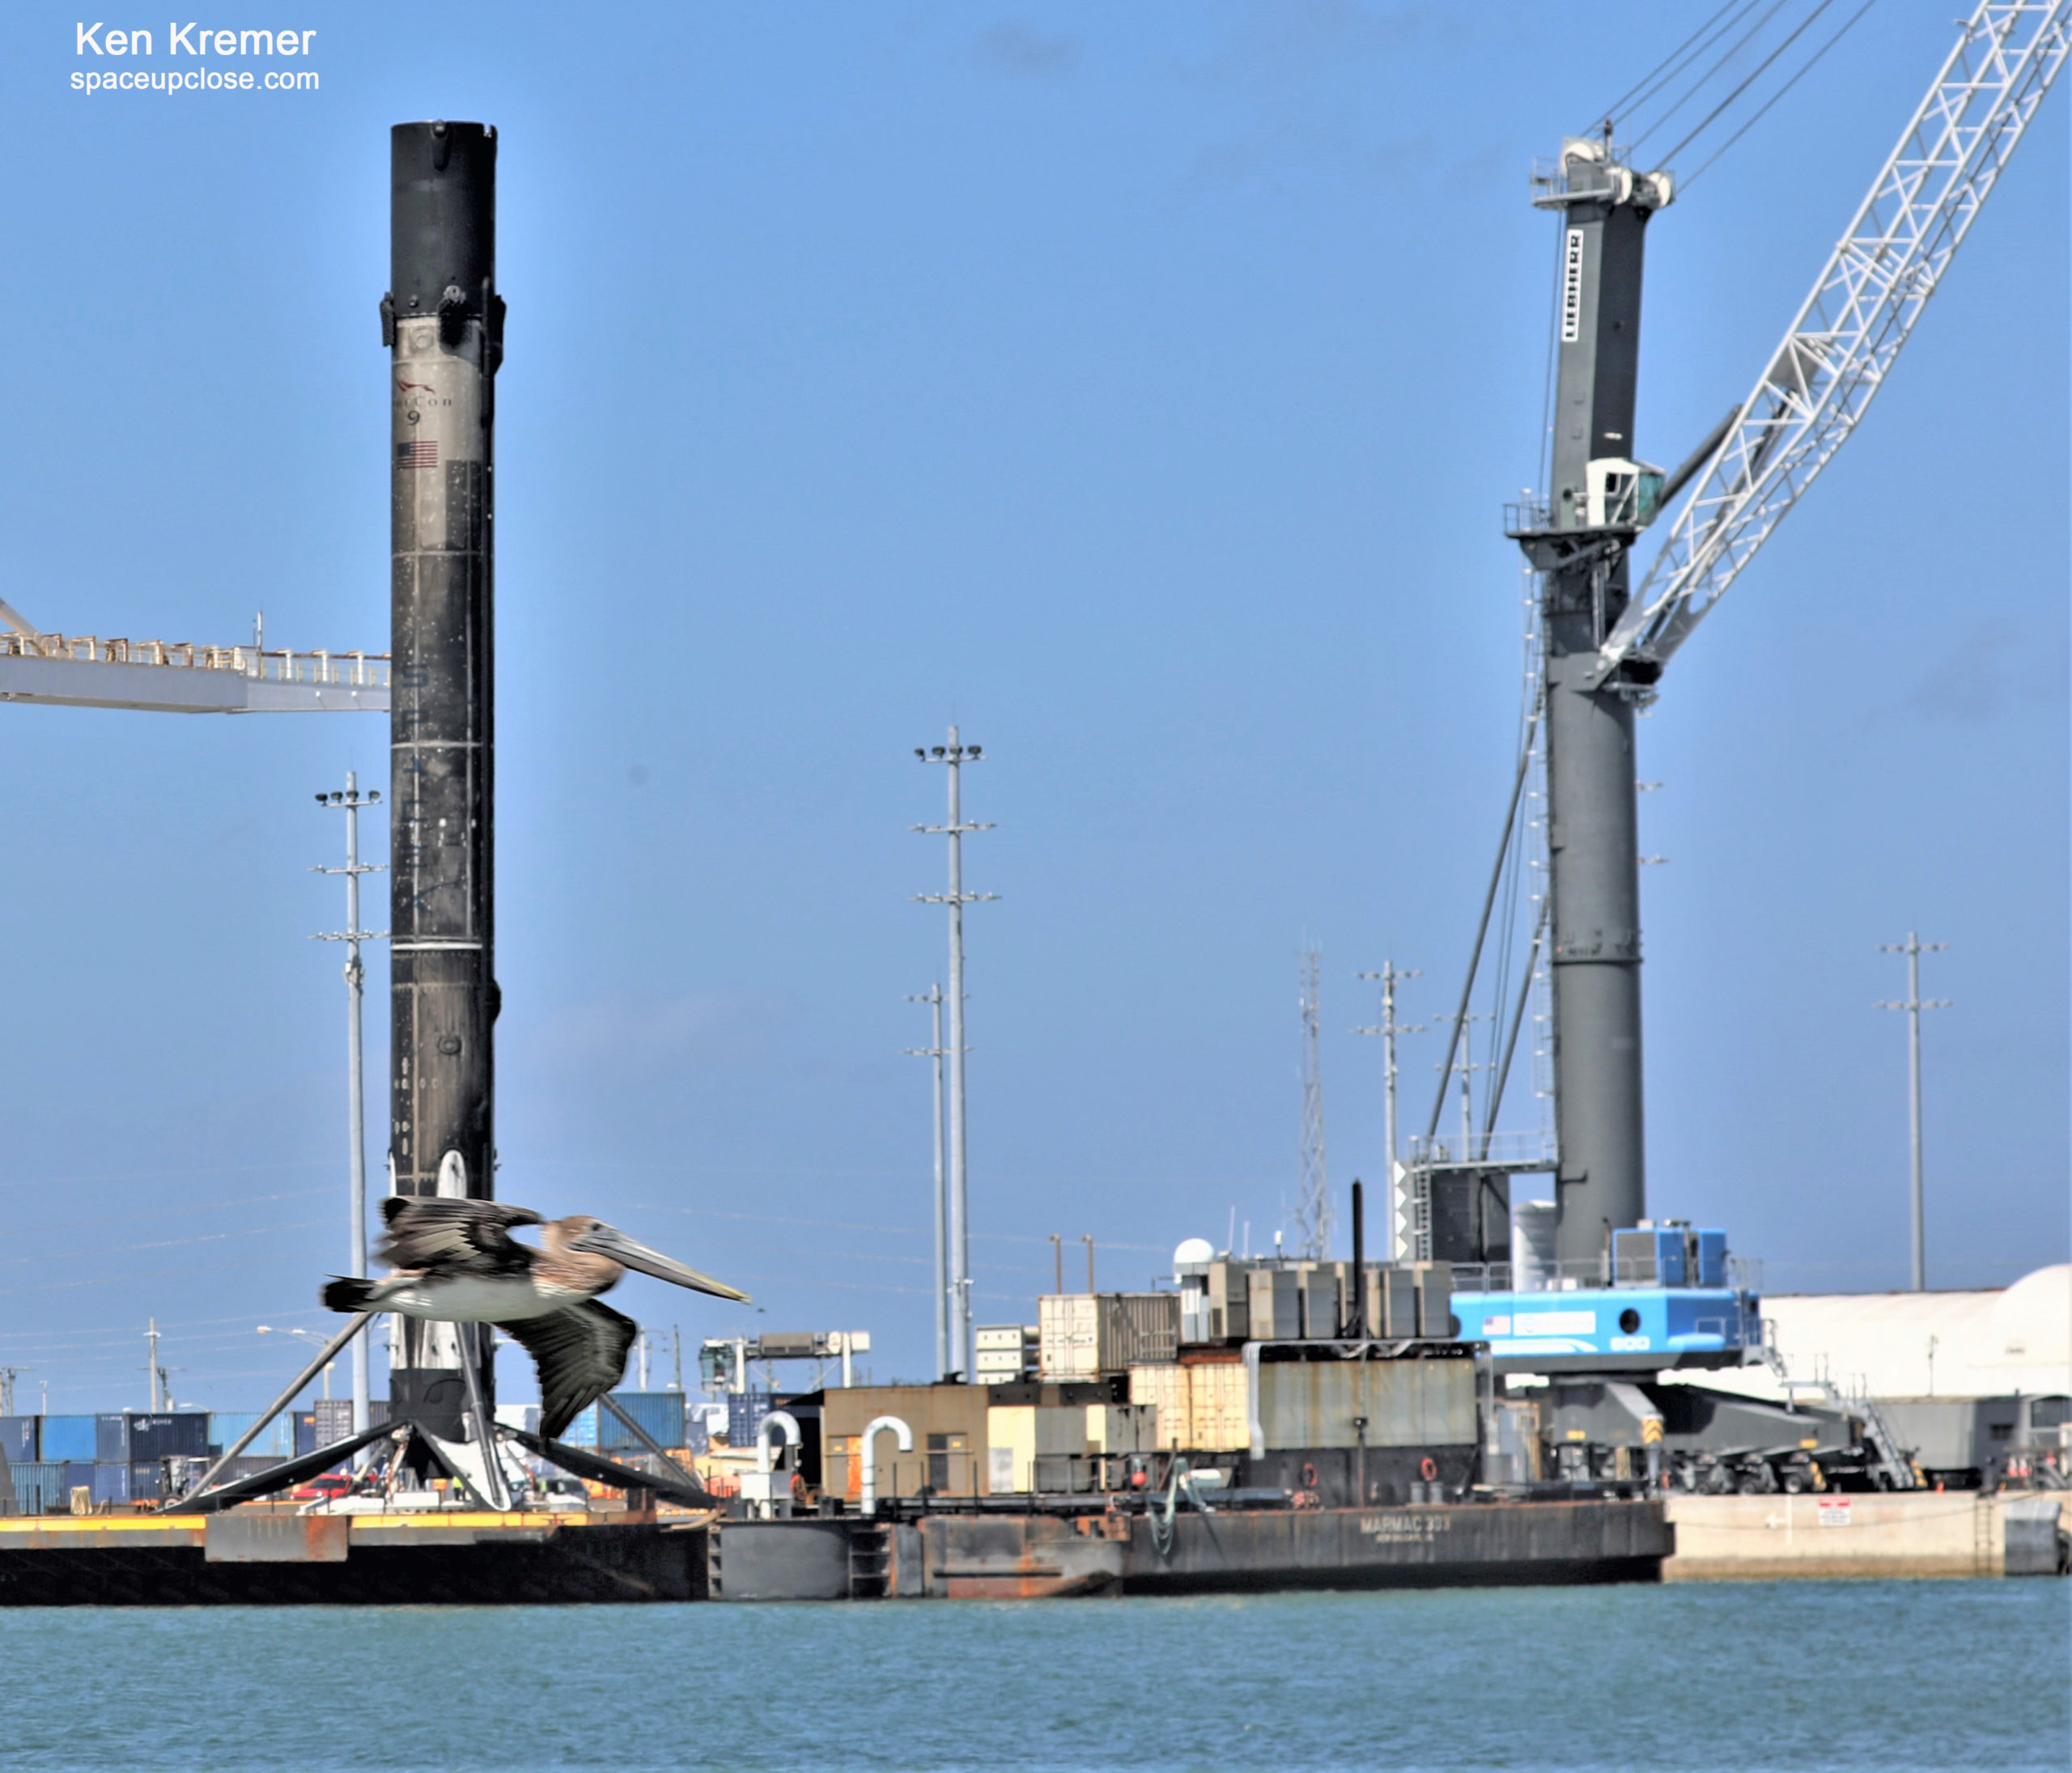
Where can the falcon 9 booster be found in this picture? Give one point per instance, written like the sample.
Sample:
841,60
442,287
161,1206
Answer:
442,321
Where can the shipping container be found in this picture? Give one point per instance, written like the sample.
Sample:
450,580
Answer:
1086,1335
111,1440
660,1412
1394,1297
175,1435
147,1480
111,1483
334,1420
1197,1406
39,1487
1276,1304
1404,1403
1322,1310
67,1438
305,1431
20,1443
1435,1292
275,1441
745,1410
1017,1337
79,1475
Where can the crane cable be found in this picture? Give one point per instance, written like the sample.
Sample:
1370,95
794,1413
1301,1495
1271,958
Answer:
1719,61
1634,97
1761,68
1805,70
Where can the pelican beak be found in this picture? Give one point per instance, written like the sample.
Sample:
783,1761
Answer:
608,1241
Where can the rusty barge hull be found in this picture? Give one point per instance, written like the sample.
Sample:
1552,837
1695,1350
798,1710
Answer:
1478,1545
1001,1557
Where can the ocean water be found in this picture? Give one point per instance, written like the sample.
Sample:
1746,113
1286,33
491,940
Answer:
1732,1675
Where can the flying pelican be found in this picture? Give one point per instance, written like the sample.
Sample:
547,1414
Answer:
456,1261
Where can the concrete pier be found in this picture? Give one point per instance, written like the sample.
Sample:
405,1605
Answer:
1962,1533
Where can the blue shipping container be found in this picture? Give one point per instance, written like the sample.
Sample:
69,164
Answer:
745,1410
70,1438
276,1441
18,1439
173,1434
147,1480
583,1432
111,1440
39,1487
660,1412
79,1475
111,1483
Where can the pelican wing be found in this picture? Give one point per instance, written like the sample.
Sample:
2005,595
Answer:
438,1236
580,1354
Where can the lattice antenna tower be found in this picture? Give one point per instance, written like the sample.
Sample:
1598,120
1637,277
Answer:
1313,1211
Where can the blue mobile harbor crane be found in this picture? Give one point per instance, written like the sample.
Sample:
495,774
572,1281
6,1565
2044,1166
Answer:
1581,1288
1669,1304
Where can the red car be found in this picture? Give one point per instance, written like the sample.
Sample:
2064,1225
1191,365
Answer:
323,1488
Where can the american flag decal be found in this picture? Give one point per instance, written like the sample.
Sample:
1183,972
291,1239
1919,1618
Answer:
420,452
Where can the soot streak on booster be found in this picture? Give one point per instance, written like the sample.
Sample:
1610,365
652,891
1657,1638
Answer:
443,322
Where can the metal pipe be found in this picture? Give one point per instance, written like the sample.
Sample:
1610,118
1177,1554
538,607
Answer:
329,1351
1355,1320
786,1424
905,1439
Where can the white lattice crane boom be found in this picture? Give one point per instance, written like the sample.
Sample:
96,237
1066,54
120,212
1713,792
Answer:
1842,344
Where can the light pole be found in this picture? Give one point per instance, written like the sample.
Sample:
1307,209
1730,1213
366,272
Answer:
954,756
1389,976
1914,1003
935,1051
311,1335
349,801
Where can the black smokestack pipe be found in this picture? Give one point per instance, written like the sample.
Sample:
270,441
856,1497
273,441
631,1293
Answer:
1357,1318
443,322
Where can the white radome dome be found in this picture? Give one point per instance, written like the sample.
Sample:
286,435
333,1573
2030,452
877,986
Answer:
1194,1249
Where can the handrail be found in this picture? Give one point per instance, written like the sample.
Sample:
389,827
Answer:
276,665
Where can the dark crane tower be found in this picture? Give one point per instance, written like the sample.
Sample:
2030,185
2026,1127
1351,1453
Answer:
442,322
1599,497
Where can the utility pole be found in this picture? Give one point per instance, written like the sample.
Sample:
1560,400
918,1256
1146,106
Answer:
934,1051
1914,1003
1390,976
152,1338
1058,1256
8,1376
349,801
1579,541
1087,1239
1313,1211
954,756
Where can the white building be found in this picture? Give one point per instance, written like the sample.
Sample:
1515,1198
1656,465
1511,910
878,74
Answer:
1984,1344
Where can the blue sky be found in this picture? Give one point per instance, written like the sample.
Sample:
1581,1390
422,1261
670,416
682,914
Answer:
1138,387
